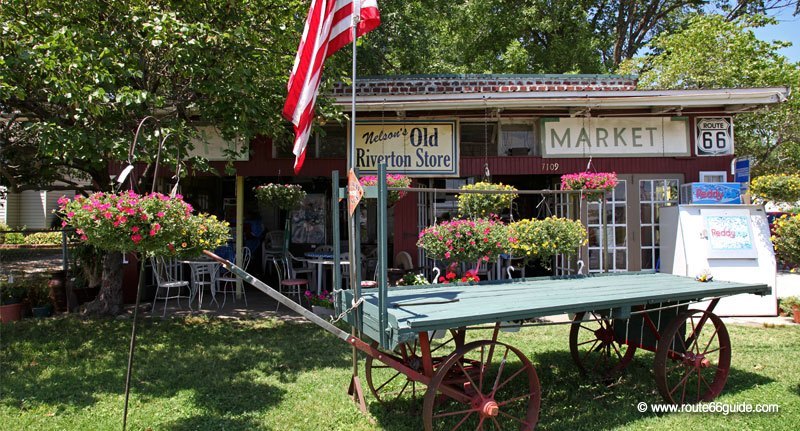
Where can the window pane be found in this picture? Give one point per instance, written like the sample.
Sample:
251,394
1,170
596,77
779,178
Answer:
619,237
594,259
621,261
474,138
647,258
647,214
594,214
594,236
645,190
619,213
334,142
647,236
517,137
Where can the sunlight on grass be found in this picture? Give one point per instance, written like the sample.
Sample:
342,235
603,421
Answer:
199,373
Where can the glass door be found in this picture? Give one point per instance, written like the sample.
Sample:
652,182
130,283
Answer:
614,239
654,194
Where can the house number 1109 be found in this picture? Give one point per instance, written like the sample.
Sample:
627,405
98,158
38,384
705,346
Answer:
549,166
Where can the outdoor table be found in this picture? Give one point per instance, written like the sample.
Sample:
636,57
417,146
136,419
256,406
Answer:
319,259
195,290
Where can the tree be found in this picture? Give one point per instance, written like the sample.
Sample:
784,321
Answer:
76,80
712,52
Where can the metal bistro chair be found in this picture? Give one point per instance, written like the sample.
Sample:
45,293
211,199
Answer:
287,279
271,247
165,272
204,276
227,283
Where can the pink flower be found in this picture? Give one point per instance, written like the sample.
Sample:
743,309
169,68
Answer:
107,215
71,214
153,232
160,214
136,238
135,229
63,223
447,255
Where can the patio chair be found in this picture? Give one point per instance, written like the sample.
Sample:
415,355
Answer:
165,272
287,279
271,246
227,282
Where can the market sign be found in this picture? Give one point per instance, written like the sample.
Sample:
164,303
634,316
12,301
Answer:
615,137
714,136
419,148
210,145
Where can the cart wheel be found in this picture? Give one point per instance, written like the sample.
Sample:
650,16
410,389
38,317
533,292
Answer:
499,386
594,347
387,384
693,358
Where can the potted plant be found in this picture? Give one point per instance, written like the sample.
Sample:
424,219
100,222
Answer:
791,306
469,241
593,184
477,205
392,180
322,304
39,297
11,296
283,196
543,239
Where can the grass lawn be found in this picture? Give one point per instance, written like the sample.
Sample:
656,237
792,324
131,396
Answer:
208,374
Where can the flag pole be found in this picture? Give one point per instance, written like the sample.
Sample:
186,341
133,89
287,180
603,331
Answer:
355,390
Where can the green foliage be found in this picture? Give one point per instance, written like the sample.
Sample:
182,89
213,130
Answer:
284,196
14,238
43,238
3,228
412,279
710,52
543,239
38,291
788,303
76,80
787,238
478,205
778,188
12,293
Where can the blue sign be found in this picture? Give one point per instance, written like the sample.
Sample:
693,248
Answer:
741,172
715,193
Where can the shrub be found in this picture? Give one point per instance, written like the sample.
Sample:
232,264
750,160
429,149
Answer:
465,240
787,238
777,188
3,228
283,196
43,238
14,238
481,205
531,238
789,302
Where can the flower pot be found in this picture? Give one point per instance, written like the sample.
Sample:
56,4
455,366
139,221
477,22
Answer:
796,313
323,312
10,312
43,311
58,290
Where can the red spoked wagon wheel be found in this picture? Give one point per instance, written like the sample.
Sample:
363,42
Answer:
496,386
594,347
387,384
693,358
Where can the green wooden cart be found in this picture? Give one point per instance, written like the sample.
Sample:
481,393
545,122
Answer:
418,336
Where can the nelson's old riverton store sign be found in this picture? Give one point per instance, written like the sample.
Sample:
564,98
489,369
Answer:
422,148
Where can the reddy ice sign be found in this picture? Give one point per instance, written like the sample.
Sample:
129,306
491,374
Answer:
729,234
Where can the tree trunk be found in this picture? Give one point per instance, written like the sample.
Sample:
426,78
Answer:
109,300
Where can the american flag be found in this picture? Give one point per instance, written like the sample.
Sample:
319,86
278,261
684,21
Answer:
328,29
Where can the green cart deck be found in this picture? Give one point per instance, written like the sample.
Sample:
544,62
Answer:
424,308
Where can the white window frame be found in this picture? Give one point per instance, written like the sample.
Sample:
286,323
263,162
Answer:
705,174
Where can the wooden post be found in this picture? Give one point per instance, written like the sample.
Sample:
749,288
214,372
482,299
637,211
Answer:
239,230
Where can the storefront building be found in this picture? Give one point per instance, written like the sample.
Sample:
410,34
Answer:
523,130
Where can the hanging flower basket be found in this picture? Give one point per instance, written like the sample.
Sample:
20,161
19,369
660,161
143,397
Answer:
465,240
531,238
152,224
284,196
392,180
477,205
594,184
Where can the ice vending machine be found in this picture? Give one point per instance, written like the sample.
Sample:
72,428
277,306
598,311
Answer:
731,242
